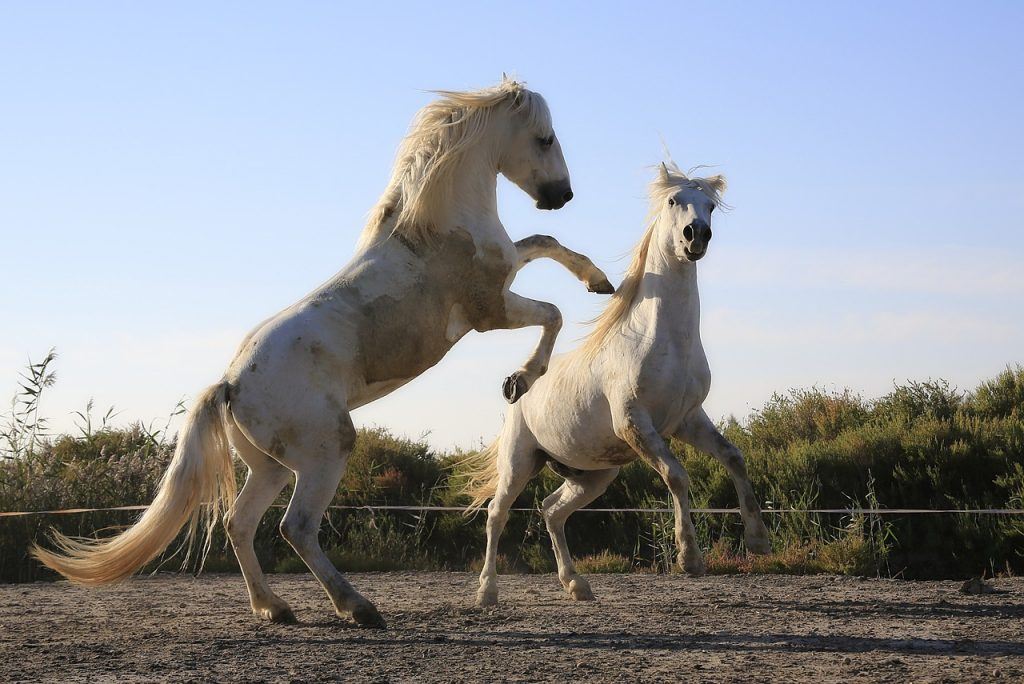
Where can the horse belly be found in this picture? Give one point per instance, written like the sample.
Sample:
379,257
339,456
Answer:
595,454
587,442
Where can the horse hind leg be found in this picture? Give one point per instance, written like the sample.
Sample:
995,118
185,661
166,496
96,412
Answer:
518,462
266,479
318,472
577,491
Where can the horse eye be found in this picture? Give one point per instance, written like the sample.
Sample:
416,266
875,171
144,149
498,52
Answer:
546,142
671,201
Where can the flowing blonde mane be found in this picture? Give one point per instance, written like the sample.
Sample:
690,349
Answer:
440,135
669,180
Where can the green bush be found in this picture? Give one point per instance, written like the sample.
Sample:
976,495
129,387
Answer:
923,445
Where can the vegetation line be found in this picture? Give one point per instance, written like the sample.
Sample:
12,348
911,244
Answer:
926,481
714,511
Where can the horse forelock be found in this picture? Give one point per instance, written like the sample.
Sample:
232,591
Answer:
664,185
438,138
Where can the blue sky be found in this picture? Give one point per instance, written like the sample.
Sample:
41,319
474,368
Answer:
169,176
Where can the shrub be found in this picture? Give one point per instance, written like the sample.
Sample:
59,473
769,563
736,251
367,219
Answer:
923,445
604,562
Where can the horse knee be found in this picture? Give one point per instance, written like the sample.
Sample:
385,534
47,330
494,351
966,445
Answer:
554,521
552,317
299,531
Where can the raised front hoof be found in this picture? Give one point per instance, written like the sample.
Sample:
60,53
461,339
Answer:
602,287
487,598
279,615
369,617
579,589
514,387
759,546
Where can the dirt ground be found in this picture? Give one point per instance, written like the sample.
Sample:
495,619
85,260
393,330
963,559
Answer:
641,628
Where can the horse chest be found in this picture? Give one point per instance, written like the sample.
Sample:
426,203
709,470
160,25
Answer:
673,383
451,291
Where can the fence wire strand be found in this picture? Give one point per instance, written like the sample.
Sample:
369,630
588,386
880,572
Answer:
713,511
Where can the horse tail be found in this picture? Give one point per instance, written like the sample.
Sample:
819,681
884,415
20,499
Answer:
479,473
197,488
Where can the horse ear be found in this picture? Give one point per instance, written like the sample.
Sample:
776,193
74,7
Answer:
718,183
663,173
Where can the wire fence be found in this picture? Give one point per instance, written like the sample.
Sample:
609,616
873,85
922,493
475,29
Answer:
713,511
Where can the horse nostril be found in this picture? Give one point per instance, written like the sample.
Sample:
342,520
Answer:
567,196
708,235
688,232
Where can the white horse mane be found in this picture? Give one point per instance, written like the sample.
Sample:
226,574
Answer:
670,179
439,136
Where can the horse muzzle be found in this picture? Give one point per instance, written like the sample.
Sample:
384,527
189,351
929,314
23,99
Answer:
554,194
692,255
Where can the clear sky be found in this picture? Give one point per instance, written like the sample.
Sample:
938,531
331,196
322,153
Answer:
169,176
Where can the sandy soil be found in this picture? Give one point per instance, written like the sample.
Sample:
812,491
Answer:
641,628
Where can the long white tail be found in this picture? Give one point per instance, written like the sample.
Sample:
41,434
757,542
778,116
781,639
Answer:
479,474
197,488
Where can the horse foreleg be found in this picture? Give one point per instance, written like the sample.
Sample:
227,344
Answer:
634,426
575,493
519,313
541,246
702,434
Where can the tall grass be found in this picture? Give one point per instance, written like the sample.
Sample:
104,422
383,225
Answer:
923,445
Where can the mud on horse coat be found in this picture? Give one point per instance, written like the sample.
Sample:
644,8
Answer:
433,263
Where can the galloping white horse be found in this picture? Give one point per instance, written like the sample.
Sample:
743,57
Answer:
433,263
639,377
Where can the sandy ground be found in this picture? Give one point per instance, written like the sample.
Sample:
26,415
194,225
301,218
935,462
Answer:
641,628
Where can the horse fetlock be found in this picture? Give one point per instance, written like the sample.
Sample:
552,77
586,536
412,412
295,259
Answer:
487,596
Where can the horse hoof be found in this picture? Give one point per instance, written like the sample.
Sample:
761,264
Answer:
603,287
486,599
368,616
514,387
279,615
580,590
285,616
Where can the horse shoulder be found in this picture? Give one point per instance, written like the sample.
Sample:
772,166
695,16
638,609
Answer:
476,270
569,414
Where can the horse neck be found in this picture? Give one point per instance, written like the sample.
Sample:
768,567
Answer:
668,300
471,193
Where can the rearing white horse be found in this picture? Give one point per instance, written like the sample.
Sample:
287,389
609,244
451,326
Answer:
639,377
433,263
